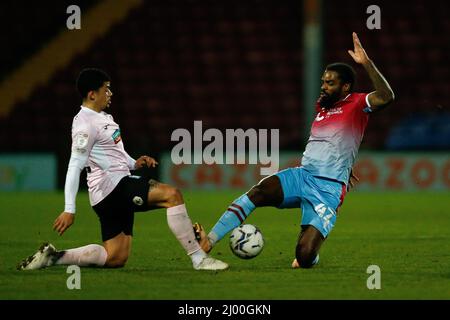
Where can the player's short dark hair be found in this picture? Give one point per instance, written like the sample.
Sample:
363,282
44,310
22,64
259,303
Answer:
91,79
346,73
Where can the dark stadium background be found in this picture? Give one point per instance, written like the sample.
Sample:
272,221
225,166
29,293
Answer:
231,64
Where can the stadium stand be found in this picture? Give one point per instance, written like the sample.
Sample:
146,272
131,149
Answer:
408,49
422,131
231,64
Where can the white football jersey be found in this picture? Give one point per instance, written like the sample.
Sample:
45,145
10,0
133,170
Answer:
96,144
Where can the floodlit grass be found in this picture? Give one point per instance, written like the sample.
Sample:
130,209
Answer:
406,234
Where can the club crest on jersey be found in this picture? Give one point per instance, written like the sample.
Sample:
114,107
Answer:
116,136
337,110
138,201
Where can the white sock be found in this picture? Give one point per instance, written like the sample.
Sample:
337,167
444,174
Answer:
90,255
181,226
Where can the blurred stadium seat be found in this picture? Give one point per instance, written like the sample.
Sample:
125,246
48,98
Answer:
235,65
423,131
410,52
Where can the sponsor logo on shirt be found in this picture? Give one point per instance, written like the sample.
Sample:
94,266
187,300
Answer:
320,116
116,136
335,111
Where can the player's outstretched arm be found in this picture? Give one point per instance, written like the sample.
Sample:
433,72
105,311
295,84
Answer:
383,94
63,222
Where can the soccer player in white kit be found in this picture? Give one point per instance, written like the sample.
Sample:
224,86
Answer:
115,194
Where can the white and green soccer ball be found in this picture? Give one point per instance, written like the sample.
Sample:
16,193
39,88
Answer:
246,241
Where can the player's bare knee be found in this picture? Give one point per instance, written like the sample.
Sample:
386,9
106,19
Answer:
256,195
174,197
266,193
116,258
118,261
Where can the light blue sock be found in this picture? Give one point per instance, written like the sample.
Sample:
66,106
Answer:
235,215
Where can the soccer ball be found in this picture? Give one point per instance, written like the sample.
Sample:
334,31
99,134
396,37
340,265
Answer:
246,241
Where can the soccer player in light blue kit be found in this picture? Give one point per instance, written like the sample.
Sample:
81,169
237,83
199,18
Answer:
319,185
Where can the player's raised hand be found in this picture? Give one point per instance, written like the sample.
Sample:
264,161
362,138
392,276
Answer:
358,54
145,161
63,222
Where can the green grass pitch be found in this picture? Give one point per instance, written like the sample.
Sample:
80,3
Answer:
406,235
